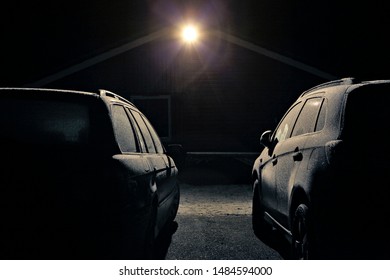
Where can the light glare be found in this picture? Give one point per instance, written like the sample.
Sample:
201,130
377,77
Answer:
190,34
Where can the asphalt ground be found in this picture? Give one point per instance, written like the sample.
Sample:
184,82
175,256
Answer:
214,223
214,216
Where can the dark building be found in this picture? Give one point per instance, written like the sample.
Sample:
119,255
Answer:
217,95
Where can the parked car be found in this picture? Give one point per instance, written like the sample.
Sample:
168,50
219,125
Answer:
322,179
84,176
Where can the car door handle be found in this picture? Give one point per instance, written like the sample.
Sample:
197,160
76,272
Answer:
297,156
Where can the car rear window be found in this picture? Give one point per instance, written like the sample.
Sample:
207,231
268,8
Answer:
44,122
367,121
367,112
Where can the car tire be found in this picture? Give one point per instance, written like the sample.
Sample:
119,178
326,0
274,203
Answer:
302,246
260,227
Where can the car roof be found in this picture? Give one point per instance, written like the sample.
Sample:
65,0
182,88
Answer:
46,92
344,84
43,90
105,95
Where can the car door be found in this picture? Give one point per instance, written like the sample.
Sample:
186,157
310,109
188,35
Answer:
269,168
154,153
164,170
291,153
133,162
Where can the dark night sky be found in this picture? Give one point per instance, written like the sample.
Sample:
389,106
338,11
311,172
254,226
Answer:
39,37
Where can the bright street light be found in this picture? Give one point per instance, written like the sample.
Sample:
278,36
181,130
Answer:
190,34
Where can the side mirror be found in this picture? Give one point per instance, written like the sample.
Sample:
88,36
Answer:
177,153
265,138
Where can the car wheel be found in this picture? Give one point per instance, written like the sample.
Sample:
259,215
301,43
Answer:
260,227
302,248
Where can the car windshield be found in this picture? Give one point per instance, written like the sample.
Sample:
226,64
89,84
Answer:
43,122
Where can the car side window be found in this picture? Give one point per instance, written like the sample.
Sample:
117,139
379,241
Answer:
141,141
285,126
307,119
321,117
145,132
123,130
155,137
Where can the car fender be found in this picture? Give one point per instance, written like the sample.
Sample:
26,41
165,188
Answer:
256,169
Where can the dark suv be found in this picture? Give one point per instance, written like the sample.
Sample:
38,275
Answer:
84,176
322,179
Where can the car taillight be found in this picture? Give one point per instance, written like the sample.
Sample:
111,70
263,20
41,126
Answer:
334,152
